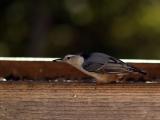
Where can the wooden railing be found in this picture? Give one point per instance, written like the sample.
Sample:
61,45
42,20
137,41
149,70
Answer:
32,99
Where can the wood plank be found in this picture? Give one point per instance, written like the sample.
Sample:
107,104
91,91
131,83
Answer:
48,101
36,70
39,70
76,101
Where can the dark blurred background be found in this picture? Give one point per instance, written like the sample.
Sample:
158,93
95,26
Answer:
52,28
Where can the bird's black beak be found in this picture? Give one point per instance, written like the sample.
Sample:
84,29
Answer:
58,60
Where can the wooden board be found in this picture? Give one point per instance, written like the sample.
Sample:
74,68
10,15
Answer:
39,100
36,70
48,101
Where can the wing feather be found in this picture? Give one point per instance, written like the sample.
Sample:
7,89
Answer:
99,62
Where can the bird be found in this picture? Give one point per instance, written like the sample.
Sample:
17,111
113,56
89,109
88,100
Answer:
104,68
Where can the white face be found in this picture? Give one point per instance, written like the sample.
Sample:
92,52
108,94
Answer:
75,60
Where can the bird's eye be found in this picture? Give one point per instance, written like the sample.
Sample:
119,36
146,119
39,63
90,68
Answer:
68,58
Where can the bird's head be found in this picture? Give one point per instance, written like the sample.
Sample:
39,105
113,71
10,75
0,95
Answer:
75,60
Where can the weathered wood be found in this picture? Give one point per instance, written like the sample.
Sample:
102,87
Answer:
152,68
78,101
48,101
36,70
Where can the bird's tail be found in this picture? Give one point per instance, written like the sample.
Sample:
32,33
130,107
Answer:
135,69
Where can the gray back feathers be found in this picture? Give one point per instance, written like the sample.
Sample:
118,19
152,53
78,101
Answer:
100,62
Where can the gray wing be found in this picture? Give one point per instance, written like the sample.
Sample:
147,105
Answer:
99,62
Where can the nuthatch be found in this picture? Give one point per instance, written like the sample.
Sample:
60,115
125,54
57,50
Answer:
102,67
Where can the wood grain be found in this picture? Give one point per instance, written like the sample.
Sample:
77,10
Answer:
48,101
38,70
74,101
